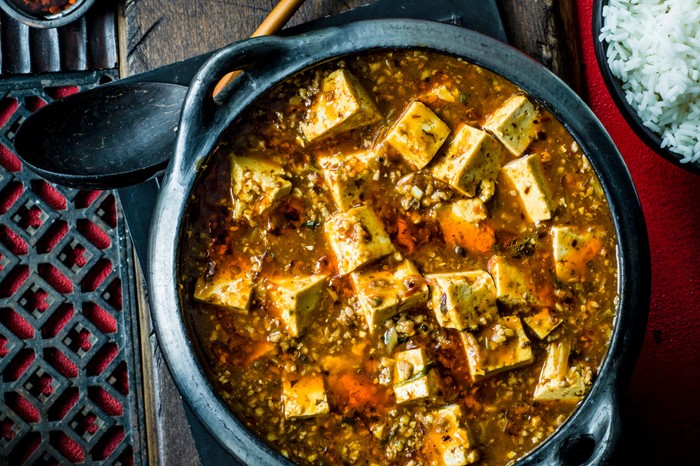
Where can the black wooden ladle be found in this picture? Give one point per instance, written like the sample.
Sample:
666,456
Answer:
122,133
108,137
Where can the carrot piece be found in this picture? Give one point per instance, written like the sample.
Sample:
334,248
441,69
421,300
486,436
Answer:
404,237
474,238
585,254
257,350
352,392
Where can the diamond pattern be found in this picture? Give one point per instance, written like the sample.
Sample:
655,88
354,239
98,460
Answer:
37,299
46,454
88,425
10,345
42,385
76,257
12,428
81,340
31,217
102,211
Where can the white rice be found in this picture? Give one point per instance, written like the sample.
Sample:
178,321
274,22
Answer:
654,49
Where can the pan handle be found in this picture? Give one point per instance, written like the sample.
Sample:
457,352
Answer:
589,439
203,116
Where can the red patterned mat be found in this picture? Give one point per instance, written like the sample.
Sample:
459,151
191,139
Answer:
69,370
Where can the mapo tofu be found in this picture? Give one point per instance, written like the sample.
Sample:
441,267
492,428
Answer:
400,258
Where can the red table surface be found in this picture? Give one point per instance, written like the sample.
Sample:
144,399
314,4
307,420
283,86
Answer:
661,408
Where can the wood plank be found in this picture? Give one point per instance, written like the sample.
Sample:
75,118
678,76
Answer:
168,434
163,32
546,30
159,33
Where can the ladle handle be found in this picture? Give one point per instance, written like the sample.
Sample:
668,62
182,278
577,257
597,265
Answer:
272,24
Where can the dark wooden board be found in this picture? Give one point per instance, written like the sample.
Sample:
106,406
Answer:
547,31
159,32
168,435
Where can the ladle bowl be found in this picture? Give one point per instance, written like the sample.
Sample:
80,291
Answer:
108,137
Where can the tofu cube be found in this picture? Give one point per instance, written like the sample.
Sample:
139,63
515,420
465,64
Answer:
487,188
445,93
409,364
526,175
418,388
464,223
255,185
294,300
513,123
464,300
384,291
357,237
233,293
417,135
543,323
513,286
573,249
305,397
500,347
558,381
346,175
341,105
448,438
440,94
472,156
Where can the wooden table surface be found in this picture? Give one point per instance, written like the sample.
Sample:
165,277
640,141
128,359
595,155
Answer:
154,33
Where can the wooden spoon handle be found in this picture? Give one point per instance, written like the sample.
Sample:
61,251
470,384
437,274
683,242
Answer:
274,21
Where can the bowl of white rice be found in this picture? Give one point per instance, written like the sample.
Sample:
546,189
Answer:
649,54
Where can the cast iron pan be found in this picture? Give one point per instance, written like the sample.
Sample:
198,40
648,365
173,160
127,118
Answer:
590,435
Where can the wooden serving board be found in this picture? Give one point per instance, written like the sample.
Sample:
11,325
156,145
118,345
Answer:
159,32
154,33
